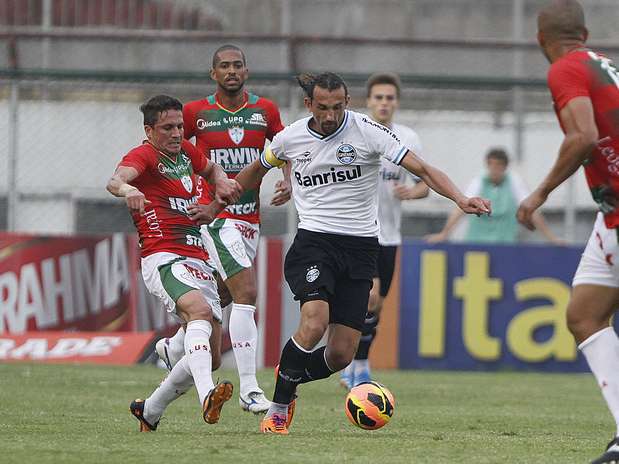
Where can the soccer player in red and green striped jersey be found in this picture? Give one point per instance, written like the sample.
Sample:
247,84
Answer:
231,128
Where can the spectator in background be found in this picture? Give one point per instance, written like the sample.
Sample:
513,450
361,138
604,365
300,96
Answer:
505,190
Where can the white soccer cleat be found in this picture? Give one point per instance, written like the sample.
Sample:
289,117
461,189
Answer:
255,402
162,347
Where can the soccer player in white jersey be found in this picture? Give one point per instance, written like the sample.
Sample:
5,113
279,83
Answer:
383,94
335,156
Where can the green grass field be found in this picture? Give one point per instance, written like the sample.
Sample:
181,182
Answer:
79,414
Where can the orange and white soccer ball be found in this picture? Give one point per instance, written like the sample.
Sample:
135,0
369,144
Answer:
369,405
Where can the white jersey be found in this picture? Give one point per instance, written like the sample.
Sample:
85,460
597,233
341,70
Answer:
335,177
390,175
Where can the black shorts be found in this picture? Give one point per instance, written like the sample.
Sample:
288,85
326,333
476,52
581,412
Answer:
385,266
333,268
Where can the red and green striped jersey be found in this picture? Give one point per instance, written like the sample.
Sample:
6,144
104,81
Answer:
170,184
584,73
233,139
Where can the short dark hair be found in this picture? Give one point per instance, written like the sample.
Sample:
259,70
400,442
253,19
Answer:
157,105
383,78
224,48
498,154
325,80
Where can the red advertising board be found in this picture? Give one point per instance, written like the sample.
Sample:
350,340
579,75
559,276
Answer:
63,347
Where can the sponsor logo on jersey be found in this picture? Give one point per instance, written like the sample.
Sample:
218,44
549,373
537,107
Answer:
234,159
173,171
330,177
381,127
236,134
312,274
187,183
245,208
304,158
246,231
346,153
257,119
201,124
181,204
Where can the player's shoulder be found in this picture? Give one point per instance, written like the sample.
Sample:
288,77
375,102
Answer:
295,129
143,150
262,102
197,105
189,147
575,61
367,124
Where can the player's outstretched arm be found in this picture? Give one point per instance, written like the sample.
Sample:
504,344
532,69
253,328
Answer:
119,186
438,181
581,137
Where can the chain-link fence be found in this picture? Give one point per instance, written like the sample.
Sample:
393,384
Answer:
65,134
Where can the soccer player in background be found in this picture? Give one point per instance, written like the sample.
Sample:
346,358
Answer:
231,127
383,95
585,90
335,157
158,180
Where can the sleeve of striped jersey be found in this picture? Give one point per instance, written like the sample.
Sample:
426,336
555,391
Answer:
198,160
567,80
274,120
189,122
135,159
269,160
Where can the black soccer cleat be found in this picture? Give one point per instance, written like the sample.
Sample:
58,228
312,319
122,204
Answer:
137,409
611,456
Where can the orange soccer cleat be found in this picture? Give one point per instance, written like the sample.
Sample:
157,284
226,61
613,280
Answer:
211,409
274,424
137,409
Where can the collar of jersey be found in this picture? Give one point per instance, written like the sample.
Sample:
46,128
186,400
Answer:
222,107
328,137
174,160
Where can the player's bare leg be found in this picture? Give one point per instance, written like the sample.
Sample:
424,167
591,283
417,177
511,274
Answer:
588,318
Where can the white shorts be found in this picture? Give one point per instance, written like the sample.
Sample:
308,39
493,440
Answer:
168,276
231,245
600,260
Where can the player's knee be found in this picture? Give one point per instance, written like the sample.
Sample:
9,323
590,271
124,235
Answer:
312,330
583,324
246,295
340,357
201,312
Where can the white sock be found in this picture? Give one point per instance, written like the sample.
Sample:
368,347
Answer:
198,354
176,347
279,409
177,382
361,365
602,352
244,336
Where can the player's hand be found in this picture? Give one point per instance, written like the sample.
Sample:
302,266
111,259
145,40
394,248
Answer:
475,205
403,192
136,201
228,190
528,206
283,193
203,214
435,238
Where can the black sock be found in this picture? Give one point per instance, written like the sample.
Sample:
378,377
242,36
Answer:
291,372
367,336
317,367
